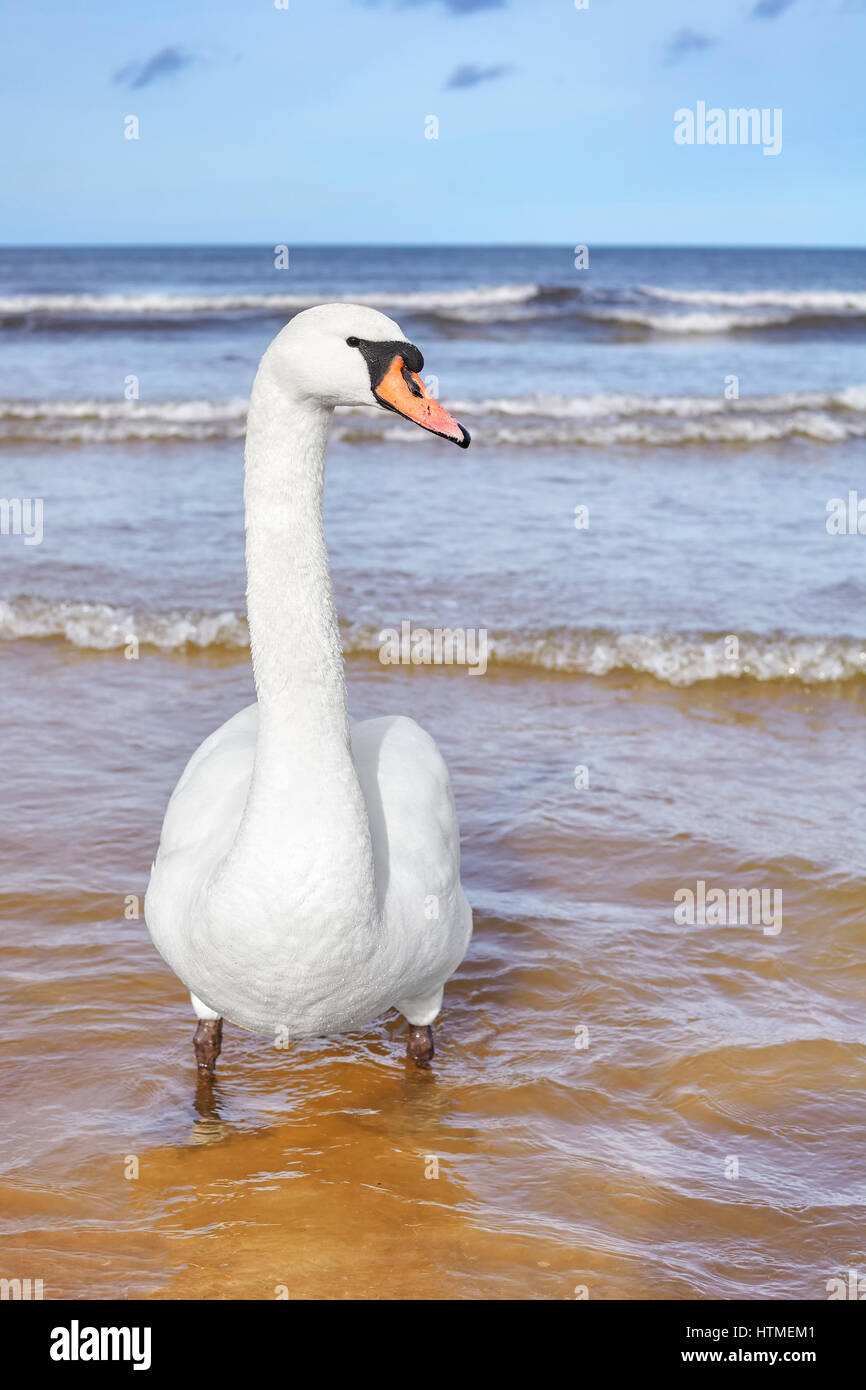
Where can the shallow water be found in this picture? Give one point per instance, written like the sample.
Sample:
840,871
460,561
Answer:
558,1165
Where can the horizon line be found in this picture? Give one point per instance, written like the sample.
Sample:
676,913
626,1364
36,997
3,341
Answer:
422,245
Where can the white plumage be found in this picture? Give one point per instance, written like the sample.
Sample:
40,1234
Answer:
308,873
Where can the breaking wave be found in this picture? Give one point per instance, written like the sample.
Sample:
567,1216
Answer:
827,417
160,305
115,422
641,308
677,659
808,301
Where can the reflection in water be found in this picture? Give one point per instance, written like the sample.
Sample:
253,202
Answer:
209,1128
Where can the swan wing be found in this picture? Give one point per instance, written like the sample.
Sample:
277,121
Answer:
207,803
200,824
416,850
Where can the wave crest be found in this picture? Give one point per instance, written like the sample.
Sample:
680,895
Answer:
643,308
828,417
107,627
807,301
159,305
677,659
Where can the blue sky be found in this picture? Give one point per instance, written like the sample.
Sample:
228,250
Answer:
307,124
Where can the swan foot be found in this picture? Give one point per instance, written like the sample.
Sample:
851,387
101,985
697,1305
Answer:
207,1042
420,1045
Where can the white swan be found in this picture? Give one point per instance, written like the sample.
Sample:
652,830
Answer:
308,872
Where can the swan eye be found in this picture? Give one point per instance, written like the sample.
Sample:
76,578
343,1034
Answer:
353,342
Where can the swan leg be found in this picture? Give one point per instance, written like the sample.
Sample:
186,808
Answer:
420,1045
419,1014
208,1036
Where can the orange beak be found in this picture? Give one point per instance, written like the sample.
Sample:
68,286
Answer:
405,392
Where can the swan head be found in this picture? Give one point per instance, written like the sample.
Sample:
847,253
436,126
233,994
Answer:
350,354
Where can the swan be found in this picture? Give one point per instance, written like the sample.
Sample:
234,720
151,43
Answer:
308,872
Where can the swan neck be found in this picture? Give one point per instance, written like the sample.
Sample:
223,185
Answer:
304,838
294,632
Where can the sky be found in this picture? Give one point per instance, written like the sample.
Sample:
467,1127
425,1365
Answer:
309,124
